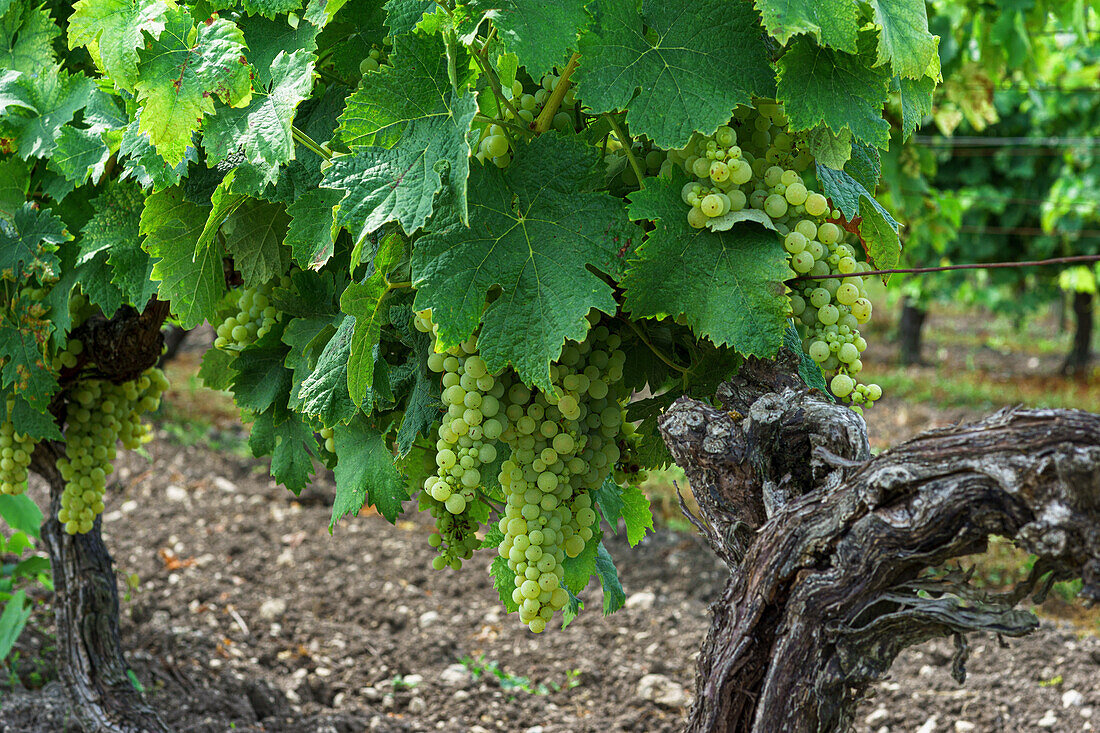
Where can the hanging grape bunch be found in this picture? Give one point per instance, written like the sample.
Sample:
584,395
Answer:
497,142
251,315
754,163
560,445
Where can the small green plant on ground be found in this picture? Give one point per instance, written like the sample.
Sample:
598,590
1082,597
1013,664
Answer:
510,682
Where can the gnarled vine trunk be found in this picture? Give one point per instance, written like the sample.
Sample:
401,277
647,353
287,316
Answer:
827,545
90,660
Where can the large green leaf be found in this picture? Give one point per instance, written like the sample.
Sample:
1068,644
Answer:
364,301
262,131
254,237
24,330
267,39
47,99
365,473
114,231
535,229
116,28
192,282
26,37
842,90
877,228
831,22
916,102
80,154
684,78
408,129
539,33
287,443
181,73
729,285
28,244
261,380
311,233
904,41
324,393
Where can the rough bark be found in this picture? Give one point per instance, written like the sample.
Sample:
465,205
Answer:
910,332
90,660
829,585
1080,354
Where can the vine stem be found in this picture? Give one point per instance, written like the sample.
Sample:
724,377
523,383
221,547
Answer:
308,143
627,144
971,266
546,117
656,352
494,82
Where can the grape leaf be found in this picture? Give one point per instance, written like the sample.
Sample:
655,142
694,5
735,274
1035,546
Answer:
684,80
613,595
416,87
181,72
79,154
267,8
50,99
114,230
267,39
307,338
916,102
262,130
115,28
26,38
408,130
400,183
504,581
808,369
192,282
413,378
95,280
364,302
535,228
627,502
217,369
539,33
402,16
877,229
324,393
365,472
39,425
261,381
311,234
23,333
904,41
830,148
729,285
579,569
28,244
864,166
831,22
15,176
256,230
144,165
287,443
842,90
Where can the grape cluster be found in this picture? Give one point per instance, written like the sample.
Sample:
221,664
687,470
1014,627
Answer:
254,317
101,413
466,441
15,455
561,444
495,144
755,163
373,61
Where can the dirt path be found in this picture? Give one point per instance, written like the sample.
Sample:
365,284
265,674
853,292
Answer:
250,617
